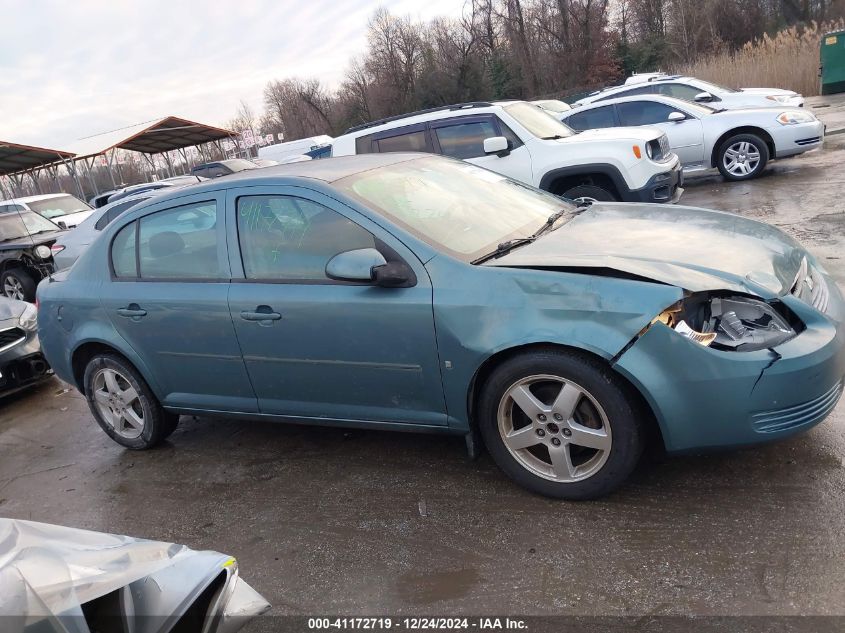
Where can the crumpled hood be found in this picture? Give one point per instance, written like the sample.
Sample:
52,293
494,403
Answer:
10,309
695,249
642,134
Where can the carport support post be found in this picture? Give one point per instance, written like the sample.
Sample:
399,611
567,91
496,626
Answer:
90,177
108,158
169,162
34,180
184,154
71,168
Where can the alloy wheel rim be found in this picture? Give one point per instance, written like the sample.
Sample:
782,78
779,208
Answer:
13,288
554,428
741,158
118,403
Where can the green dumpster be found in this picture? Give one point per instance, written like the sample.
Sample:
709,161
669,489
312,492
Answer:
833,62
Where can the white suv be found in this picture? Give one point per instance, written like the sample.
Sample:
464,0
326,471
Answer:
519,140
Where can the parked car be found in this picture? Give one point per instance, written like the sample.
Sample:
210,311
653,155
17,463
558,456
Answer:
70,245
56,579
174,181
519,140
21,362
265,162
321,151
223,168
738,143
280,151
25,256
552,106
692,89
101,199
65,210
565,335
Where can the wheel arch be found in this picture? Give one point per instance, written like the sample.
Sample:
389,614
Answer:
85,351
554,180
654,433
747,129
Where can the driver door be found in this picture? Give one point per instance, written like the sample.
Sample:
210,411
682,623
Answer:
319,348
686,138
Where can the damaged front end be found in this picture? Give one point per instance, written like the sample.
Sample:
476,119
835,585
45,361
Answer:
55,579
722,369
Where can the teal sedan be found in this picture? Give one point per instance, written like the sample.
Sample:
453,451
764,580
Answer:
419,293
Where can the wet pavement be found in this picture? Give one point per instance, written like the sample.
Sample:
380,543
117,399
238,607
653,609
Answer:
364,522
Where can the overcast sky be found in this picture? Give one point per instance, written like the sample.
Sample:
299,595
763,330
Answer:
72,69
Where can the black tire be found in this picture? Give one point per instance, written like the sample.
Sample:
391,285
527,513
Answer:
589,191
753,140
602,386
158,424
22,280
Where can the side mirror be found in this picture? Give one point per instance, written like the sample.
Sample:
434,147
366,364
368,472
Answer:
497,145
677,117
357,265
704,96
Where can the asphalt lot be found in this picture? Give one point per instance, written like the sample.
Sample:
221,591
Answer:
365,522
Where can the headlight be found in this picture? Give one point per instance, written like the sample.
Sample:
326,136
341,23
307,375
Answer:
792,117
43,251
730,323
29,317
648,151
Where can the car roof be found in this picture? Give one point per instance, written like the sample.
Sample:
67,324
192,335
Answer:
45,196
421,116
327,170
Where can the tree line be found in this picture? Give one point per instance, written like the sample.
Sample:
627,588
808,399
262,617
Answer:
504,49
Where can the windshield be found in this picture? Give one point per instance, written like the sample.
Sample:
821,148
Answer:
696,108
57,207
706,86
14,226
537,121
455,207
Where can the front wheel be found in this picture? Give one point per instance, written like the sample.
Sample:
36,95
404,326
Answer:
124,405
18,283
588,192
560,424
743,157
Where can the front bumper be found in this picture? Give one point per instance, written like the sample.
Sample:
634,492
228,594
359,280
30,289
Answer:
796,139
663,187
705,398
22,364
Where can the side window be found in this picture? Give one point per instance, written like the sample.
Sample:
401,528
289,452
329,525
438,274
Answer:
592,119
642,90
643,113
201,172
123,252
465,140
180,243
288,239
364,144
409,142
679,91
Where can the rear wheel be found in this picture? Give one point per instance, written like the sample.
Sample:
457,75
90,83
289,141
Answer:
560,424
590,192
124,405
18,283
743,157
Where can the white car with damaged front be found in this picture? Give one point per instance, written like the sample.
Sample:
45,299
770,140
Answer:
739,143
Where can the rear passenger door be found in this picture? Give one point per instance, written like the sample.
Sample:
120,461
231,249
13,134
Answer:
168,298
463,137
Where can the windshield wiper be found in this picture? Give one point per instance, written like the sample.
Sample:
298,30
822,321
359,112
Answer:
504,248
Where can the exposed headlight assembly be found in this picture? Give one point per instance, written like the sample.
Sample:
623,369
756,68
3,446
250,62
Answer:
43,251
29,317
794,117
730,323
779,98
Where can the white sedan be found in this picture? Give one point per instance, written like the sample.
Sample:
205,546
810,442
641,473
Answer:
738,143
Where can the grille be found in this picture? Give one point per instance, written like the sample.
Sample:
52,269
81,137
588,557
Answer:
790,417
11,336
808,141
810,287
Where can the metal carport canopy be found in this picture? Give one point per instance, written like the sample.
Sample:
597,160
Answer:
151,137
15,157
